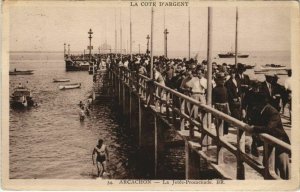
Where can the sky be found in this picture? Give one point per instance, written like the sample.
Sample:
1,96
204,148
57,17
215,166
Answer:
47,28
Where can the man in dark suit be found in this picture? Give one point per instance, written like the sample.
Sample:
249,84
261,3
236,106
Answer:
241,77
266,119
271,91
244,83
234,96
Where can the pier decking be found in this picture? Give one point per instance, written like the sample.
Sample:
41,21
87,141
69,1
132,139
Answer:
151,109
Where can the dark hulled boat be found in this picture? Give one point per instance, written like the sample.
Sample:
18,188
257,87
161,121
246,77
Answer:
18,72
21,97
76,65
232,55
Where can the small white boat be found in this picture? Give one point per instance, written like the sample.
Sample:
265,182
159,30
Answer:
272,67
55,80
70,86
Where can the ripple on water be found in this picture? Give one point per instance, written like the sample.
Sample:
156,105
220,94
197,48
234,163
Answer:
49,142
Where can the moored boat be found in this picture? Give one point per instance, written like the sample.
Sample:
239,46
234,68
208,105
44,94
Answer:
56,80
21,97
70,86
270,67
76,65
19,72
232,55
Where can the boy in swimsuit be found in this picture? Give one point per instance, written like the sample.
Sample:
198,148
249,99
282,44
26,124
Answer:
101,158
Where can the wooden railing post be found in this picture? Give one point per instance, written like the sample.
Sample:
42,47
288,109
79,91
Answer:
219,123
193,108
140,122
187,160
155,145
167,106
240,150
174,116
182,108
119,92
268,160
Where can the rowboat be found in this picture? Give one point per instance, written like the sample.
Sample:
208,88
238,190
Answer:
70,86
60,80
18,72
270,67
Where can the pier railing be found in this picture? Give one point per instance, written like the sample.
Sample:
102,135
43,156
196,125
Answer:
204,126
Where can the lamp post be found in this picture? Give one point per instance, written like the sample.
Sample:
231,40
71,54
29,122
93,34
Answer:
64,50
147,51
90,46
166,32
139,48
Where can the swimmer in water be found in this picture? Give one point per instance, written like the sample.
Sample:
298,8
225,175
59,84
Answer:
101,158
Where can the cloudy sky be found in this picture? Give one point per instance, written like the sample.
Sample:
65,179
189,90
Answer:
48,27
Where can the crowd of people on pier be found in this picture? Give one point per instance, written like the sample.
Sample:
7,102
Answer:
257,103
231,86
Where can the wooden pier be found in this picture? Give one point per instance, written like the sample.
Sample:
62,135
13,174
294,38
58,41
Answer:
152,109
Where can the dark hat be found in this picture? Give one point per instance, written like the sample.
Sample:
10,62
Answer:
220,76
232,70
240,67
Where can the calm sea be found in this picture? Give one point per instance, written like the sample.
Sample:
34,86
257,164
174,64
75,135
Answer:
49,142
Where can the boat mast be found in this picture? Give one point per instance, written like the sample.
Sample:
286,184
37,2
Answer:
105,41
130,37
151,44
209,62
189,31
115,33
236,36
164,32
121,32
